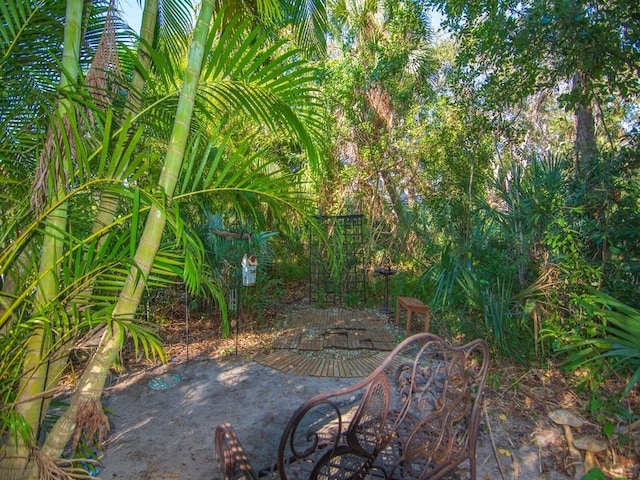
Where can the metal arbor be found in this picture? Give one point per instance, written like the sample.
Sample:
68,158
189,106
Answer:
345,280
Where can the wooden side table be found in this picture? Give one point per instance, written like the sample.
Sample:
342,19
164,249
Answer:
413,305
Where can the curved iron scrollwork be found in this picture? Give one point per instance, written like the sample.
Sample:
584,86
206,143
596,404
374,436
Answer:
347,436
417,416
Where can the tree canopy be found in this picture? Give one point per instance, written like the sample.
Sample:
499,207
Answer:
497,165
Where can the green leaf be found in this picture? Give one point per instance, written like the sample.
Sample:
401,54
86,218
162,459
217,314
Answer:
608,429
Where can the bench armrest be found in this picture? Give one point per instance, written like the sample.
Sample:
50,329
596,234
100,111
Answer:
346,427
232,459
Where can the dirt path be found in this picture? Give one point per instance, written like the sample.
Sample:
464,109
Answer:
167,433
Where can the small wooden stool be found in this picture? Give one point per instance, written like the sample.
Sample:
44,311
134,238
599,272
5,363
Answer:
412,305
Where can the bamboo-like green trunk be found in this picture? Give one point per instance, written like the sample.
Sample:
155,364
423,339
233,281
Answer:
147,29
91,383
109,203
35,372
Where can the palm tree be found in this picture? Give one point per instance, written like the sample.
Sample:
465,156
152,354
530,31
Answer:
100,271
35,379
382,77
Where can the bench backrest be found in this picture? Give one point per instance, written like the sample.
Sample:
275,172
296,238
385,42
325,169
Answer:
417,415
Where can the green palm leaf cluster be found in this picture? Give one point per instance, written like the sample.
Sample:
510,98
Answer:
610,339
75,263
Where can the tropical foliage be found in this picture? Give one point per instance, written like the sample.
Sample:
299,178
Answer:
496,161
112,215
608,340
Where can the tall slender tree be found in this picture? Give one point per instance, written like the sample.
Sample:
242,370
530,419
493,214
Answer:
376,83
245,74
53,173
91,384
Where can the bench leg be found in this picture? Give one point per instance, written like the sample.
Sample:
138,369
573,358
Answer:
427,320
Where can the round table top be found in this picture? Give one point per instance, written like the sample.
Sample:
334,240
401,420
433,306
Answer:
385,270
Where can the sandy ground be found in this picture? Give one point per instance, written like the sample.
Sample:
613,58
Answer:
168,433
159,434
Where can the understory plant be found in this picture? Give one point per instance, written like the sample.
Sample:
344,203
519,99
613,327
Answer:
606,340
509,314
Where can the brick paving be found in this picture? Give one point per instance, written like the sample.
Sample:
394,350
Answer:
330,343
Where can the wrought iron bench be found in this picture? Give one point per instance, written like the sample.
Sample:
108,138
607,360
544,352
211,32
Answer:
416,416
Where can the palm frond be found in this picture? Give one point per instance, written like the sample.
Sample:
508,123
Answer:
272,85
309,18
175,24
616,338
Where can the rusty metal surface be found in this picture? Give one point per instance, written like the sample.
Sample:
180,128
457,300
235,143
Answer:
416,416
231,456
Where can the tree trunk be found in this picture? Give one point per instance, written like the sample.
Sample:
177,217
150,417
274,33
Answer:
58,360
35,371
585,126
13,278
378,99
396,200
91,383
147,29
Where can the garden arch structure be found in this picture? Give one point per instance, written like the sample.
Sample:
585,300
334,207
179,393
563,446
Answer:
346,283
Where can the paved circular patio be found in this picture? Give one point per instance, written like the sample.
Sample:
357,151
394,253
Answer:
331,343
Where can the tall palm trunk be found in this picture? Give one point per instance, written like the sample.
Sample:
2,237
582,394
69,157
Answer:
57,358
85,411
147,29
35,372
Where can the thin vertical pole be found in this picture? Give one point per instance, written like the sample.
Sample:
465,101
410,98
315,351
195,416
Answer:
237,308
186,316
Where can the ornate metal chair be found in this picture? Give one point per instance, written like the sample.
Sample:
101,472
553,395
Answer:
416,416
